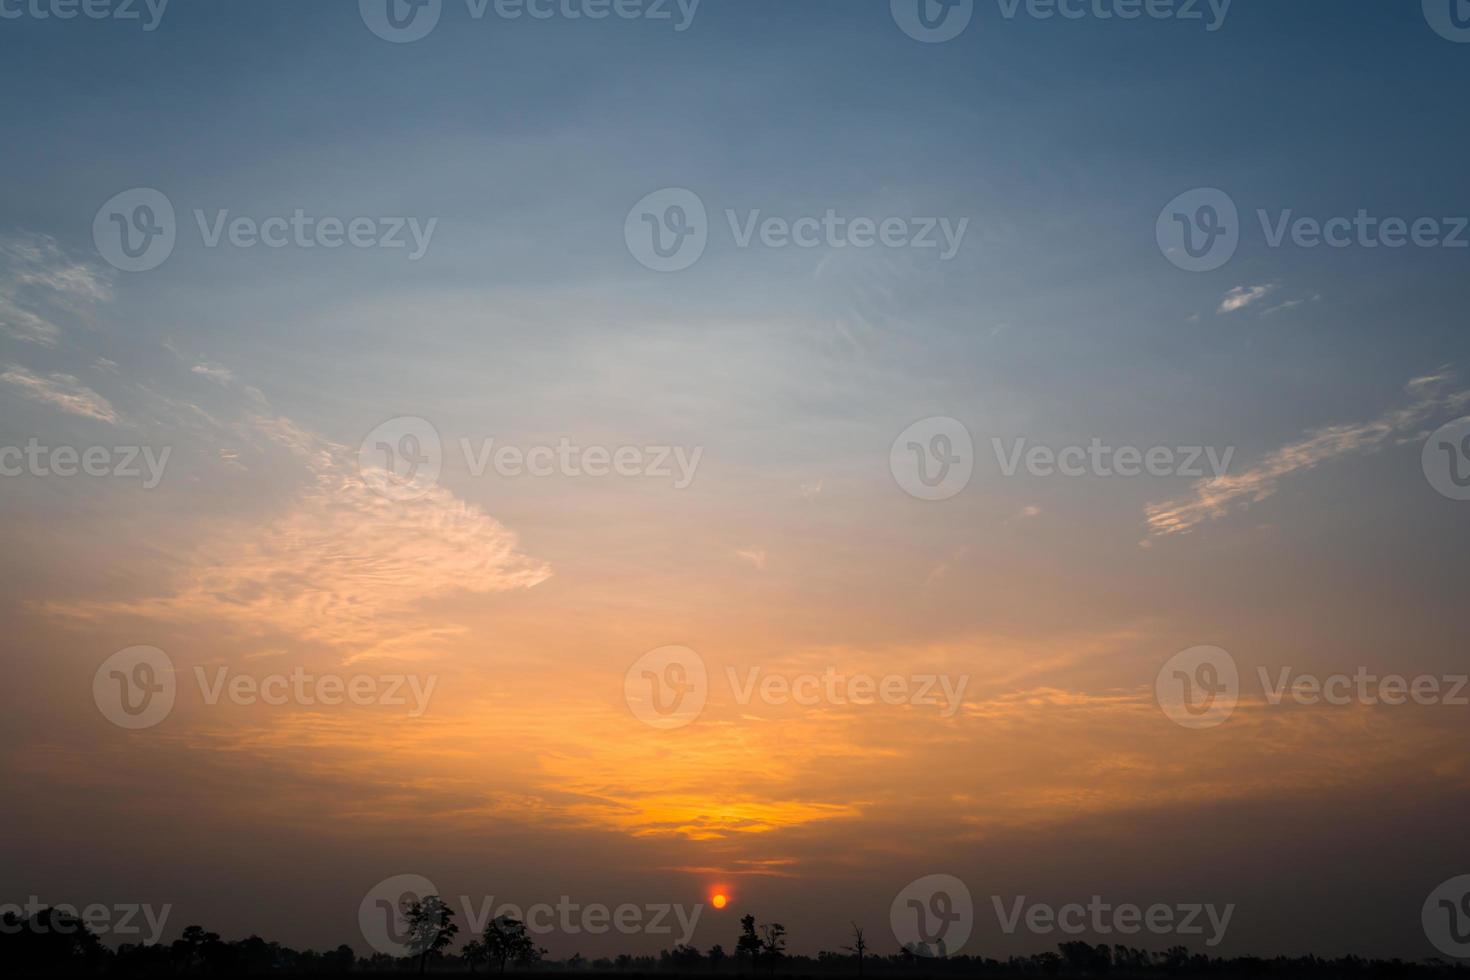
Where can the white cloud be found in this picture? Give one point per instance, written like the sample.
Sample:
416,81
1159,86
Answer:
1214,498
60,391
214,372
40,284
1242,296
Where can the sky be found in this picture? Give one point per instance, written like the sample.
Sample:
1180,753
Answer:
390,381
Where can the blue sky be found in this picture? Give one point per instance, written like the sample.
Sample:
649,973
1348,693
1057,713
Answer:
528,319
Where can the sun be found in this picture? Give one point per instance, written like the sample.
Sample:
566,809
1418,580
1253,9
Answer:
718,900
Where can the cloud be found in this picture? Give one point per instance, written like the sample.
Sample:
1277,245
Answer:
60,391
1242,296
39,284
335,564
756,556
214,372
1214,498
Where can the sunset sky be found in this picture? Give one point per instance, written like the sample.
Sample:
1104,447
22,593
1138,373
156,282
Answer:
791,548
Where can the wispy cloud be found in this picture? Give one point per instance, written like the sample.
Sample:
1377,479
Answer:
756,557
62,391
214,372
1242,296
40,284
1214,498
337,565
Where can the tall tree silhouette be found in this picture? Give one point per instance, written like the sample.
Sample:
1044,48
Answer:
430,928
773,944
749,943
858,946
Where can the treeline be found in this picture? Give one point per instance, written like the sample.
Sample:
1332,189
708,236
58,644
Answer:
50,943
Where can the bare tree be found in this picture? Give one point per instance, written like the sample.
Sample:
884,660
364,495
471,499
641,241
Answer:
858,946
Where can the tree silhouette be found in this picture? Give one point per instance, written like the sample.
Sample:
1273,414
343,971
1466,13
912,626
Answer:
506,939
773,944
473,953
429,927
716,957
749,943
858,946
